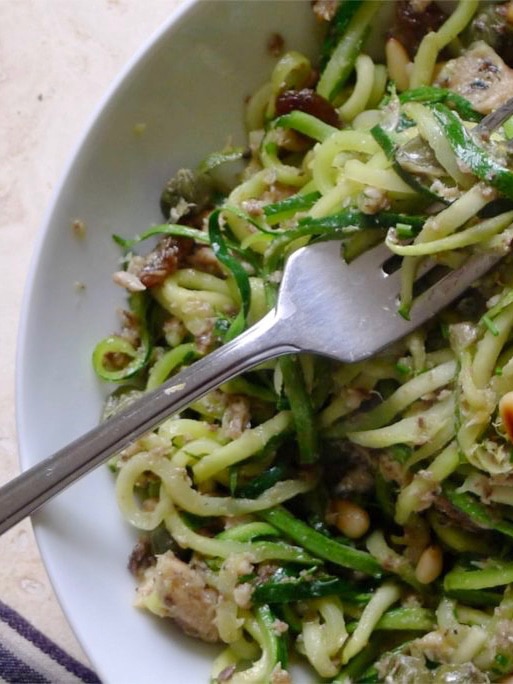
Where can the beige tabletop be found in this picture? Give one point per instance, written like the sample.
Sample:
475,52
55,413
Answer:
57,59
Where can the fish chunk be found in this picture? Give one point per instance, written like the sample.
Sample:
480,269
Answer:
479,75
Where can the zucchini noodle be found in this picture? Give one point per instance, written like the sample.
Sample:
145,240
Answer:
359,516
362,91
434,42
322,641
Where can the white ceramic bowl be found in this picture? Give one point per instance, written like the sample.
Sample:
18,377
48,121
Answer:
187,88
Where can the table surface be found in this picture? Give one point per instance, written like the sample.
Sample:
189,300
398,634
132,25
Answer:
57,59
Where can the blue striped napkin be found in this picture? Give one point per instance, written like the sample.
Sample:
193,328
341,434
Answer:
27,656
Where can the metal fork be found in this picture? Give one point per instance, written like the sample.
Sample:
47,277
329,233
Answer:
325,306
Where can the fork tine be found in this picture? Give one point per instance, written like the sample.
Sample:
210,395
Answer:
389,282
371,259
375,258
368,267
350,311
495,119
436,297
450,286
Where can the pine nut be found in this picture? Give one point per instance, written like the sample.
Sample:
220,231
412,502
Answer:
398,63
506,413
430,564
352,520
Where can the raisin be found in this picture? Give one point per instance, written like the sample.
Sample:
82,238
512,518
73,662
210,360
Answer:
412,25
308,101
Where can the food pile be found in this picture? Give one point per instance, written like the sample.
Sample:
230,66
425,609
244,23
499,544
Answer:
358,517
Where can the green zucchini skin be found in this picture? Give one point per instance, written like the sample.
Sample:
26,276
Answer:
321,546
478,512
337,27
432,95
342,60
472,156
283,588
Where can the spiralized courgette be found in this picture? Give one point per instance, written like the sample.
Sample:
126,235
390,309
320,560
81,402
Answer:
360,515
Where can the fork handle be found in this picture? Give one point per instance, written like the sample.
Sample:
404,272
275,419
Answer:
27,492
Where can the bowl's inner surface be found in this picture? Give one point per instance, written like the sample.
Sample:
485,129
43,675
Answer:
181,99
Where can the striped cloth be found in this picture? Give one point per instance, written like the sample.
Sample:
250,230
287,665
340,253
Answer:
29,657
